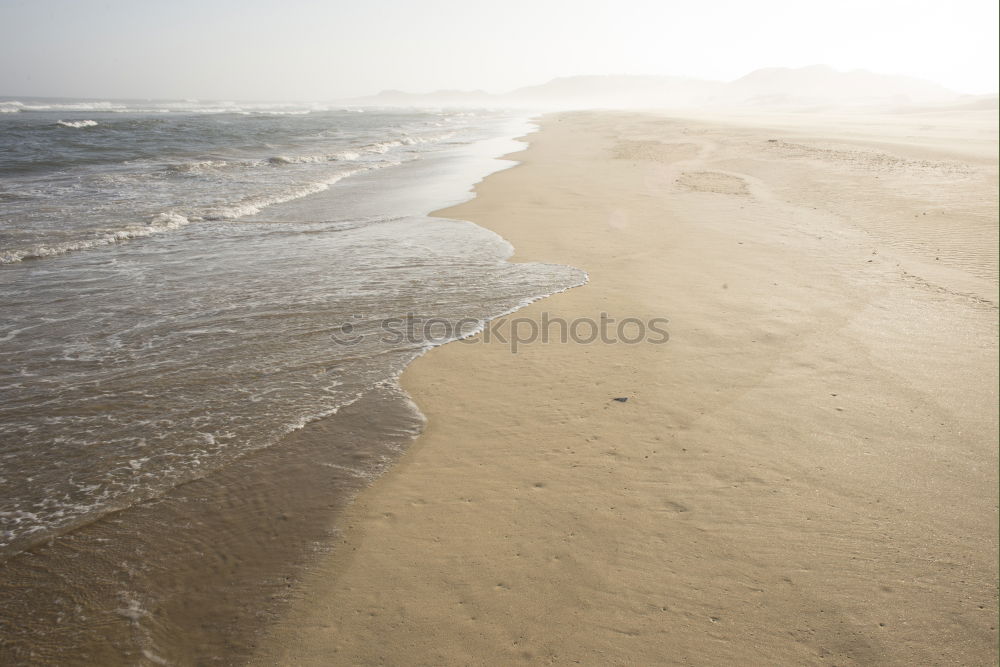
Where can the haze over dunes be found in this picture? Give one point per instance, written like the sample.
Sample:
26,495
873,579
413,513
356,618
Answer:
773,87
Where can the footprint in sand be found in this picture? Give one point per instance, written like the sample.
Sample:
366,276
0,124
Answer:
655,151
714,181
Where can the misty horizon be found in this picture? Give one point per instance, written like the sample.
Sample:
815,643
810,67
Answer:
304,50
580,79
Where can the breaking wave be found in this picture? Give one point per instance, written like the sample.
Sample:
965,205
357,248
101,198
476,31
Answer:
77,123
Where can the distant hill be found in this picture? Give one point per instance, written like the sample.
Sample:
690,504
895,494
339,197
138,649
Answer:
773,87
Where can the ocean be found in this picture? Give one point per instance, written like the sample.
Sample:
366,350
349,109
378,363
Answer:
206,306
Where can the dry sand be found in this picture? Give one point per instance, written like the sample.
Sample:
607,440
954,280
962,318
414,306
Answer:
806,473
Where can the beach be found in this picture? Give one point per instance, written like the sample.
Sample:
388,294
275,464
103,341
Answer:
804,473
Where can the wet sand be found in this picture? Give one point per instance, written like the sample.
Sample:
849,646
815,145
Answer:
805,473
193,576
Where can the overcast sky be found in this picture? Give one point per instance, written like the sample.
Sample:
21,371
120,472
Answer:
318,50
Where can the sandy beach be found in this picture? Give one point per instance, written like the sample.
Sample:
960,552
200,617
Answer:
804,473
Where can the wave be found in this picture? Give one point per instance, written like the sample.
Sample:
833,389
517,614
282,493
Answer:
71,106
153,106
203,166
377,148
160,192
77,123
170,220
198,166
254,205
159,223
340,156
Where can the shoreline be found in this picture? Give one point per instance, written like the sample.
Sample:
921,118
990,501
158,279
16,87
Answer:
115,589
806,471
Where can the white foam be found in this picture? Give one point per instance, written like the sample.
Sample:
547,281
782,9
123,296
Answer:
197,167
134,611
283,113
76,106
159,223
382,146
77,123
169,220
406,140
184,106
254,205
344,162
378,148
340,156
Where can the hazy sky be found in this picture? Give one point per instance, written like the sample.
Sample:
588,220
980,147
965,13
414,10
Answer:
315,50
